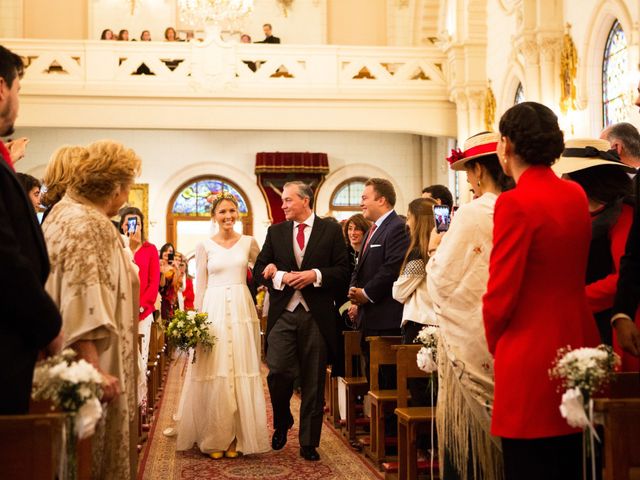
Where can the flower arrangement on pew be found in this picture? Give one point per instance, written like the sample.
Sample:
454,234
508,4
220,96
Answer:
583,372
188,329
75,387
427,355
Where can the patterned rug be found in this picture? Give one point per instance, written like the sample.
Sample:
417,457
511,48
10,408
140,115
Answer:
161,461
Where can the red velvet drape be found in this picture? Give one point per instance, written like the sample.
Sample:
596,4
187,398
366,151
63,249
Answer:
274,169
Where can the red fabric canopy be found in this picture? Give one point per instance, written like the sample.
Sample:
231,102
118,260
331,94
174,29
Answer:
295,162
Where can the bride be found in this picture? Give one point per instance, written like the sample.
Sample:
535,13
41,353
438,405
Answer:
222,402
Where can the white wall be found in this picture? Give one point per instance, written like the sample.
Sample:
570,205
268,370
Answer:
172,157
590,22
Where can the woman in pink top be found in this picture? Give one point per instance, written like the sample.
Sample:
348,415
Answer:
145,256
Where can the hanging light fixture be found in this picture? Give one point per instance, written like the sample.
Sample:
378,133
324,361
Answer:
209,12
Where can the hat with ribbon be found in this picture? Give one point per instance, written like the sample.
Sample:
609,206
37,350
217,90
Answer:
582,153
474,147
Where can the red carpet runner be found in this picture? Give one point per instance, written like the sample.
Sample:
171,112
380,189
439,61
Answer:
160,460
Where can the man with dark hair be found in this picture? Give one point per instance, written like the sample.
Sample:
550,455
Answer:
625,140
268,34
381,256
305,265
31,186
440,194
30,320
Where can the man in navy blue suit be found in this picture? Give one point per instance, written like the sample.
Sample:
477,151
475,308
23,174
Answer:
386,243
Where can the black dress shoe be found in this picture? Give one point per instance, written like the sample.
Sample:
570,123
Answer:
309,453
279,438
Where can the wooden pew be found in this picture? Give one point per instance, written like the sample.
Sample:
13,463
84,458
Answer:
619,413
30,447
382,400
409,418
331,398
354,382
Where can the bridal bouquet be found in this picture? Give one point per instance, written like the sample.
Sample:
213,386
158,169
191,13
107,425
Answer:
426,357
74,386
583,372
187,329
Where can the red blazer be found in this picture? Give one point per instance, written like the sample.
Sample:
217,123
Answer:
188,294
149,273
535,301
601,294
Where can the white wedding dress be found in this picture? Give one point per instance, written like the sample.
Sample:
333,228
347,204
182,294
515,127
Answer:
223,396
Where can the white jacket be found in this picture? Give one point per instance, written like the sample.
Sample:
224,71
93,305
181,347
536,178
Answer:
411,289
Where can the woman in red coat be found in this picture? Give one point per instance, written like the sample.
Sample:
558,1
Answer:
609,191
535,302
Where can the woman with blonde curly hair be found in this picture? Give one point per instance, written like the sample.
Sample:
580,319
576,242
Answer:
57,175
96,289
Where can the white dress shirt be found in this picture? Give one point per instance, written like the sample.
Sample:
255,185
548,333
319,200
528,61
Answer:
278,284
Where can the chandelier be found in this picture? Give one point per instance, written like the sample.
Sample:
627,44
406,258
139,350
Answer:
207,12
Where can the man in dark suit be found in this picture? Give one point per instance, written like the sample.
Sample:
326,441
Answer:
386,244
304,263
30,320
268,34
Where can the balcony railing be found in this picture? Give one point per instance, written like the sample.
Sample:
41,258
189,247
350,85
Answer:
217,69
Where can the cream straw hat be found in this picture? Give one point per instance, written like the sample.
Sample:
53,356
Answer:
581,153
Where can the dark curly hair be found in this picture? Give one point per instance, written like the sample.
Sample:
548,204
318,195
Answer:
494,170
534,131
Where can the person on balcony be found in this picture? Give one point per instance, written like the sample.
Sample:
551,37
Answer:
145,36
107,34
123,35
268,34
170,35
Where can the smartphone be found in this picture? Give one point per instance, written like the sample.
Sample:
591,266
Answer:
132,223
170,258
442,216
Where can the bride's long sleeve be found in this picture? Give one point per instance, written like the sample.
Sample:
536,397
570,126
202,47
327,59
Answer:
201,275
253,252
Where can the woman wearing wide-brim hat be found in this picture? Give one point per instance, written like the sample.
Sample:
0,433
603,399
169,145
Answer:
457,277
609,189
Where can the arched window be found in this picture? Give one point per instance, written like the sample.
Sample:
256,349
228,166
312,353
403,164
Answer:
189,212
519,96
345,200
614,72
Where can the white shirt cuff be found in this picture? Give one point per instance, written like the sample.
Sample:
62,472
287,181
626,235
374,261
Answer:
365,294
619,315
318,282
277,280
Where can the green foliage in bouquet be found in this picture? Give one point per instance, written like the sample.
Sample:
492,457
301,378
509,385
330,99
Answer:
187,330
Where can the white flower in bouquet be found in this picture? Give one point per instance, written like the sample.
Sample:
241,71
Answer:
191,314
87,418
187,330
572,408
588,369
428,336
426,360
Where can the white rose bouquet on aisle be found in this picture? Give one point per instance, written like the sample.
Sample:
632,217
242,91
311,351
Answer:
583,372
427,355
73,386
188,329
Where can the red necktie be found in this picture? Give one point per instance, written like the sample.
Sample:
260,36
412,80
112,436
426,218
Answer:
300,236
371,230
6,156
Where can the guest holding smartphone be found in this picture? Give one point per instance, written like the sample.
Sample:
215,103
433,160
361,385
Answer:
536,302
145,256
169,281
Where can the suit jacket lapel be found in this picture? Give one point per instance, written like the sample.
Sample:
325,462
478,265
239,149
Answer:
314,238
376,235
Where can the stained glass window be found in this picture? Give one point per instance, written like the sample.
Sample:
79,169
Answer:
348,195
195,199
519,96
614,71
